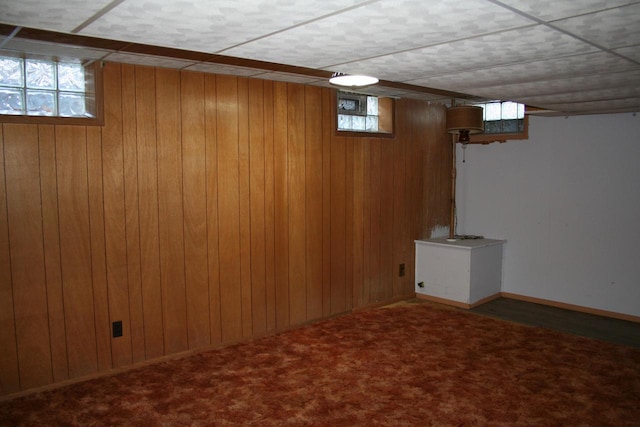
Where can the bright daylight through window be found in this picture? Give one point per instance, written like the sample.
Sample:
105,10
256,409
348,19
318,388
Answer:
36,87
503,117
364,113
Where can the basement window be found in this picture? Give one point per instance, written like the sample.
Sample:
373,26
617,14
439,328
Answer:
364,113
503,120
47,91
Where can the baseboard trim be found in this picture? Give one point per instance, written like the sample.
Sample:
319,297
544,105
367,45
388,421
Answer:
458,303
566,306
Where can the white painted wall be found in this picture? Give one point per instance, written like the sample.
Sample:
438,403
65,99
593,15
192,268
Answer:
568,202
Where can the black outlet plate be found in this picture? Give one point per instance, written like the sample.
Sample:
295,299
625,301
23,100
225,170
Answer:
117,329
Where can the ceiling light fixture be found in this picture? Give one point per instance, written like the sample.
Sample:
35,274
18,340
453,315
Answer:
349,80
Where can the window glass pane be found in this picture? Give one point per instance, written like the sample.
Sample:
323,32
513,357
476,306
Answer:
41,103
493,111
71,77
372,123
521,111
510,126
493,126
11,72
40,74
358,123
11,101
72,105
344,122
509,110
372,105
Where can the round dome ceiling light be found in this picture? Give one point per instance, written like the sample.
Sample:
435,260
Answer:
349,80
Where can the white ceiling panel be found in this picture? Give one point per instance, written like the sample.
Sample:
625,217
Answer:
576,84
207,26
550,10
381,28
611,29
513,46
557,68
560,54
61,16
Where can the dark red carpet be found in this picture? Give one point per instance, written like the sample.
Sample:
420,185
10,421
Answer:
411,365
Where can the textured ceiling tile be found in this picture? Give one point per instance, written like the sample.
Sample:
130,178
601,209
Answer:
59,51
557,9
590,63
631,52
618,105
151,61
514,46
56,15
612,28
584,96
206,26
380,28
575,84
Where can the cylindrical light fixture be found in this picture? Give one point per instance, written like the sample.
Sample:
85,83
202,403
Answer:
464,120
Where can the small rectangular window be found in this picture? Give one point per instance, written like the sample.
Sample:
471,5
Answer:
364,113
42,88
502,121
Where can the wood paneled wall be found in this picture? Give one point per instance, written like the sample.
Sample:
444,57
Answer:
207,210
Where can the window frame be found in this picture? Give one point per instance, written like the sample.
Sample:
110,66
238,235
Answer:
364,134
488,138
94,75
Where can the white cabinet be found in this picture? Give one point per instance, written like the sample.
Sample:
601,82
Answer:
463,273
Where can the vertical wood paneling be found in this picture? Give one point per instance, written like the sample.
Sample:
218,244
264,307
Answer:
148,211
313,200
75,245
229,208
349,222
207,209
114,215
48,191
195,209
211,167
257,206
280,153
269,206
22,171
328,126
244,205
98,262
297,213
9,375
387,268
358,223
170,210
338,225
375,183
132,220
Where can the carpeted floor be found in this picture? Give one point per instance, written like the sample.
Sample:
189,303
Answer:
407,365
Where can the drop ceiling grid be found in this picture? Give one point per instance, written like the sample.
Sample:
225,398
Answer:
535,72
207,26
508,47
380,29
550,10
58,15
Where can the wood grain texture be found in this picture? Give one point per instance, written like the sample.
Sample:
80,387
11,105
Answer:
22,171
51,245
207,210
170,210
75,245
114,219
9,375
195,209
